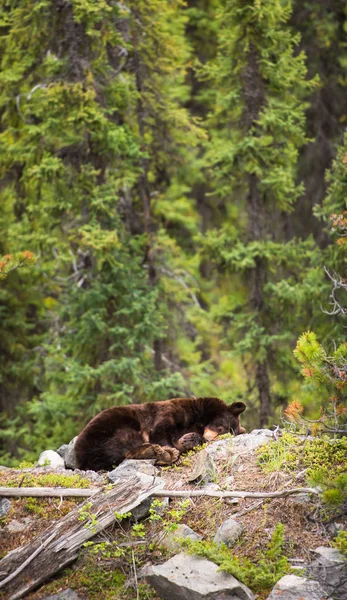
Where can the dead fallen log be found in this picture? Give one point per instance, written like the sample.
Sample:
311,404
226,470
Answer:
80,493
25,568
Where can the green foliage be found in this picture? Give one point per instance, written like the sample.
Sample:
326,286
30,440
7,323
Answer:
93,579
257,128
324,460
33,506
27,479
326,371
168,262
291,452
9,262
260,574
81,141
340,542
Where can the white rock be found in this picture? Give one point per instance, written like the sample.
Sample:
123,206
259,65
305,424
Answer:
49,458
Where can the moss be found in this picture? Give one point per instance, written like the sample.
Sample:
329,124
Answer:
46,480
321,454
34,506
323,458
95,580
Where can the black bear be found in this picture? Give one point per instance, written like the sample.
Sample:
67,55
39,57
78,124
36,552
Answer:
160,430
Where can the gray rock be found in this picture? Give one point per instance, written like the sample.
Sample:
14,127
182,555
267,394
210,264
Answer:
67,594
204,470
182,531
248,442
229,532
221,449
190,578
5,506
292,587
330,570
67,452
129,468
49,458
16,526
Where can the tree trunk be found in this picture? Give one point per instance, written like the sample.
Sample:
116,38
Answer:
257,280
145,193
253,94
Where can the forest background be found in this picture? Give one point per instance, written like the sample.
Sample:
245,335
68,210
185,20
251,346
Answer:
173,189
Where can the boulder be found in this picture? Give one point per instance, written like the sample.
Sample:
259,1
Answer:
49,458
170,540
67,452
229,532
330,570
292,587
186,577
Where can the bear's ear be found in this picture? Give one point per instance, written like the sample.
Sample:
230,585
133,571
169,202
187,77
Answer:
236,408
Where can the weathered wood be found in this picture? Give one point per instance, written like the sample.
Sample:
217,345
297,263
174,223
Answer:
29,566
234,494
72,492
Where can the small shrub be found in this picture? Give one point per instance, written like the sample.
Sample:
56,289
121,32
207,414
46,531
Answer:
262,574
340,542
323,458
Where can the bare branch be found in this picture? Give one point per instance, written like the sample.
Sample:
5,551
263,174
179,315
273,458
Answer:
82,492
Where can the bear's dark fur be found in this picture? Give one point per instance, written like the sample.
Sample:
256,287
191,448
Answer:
160,430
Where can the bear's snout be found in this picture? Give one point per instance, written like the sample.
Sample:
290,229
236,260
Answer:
209,435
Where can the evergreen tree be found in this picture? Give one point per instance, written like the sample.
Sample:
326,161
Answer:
322,26
257,128
92,130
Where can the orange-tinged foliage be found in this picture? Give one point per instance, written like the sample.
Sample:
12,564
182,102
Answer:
294,410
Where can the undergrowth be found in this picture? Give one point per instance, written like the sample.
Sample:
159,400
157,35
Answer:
260,574
323,459
340,542
47,480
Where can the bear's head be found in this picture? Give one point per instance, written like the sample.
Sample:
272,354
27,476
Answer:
226,422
